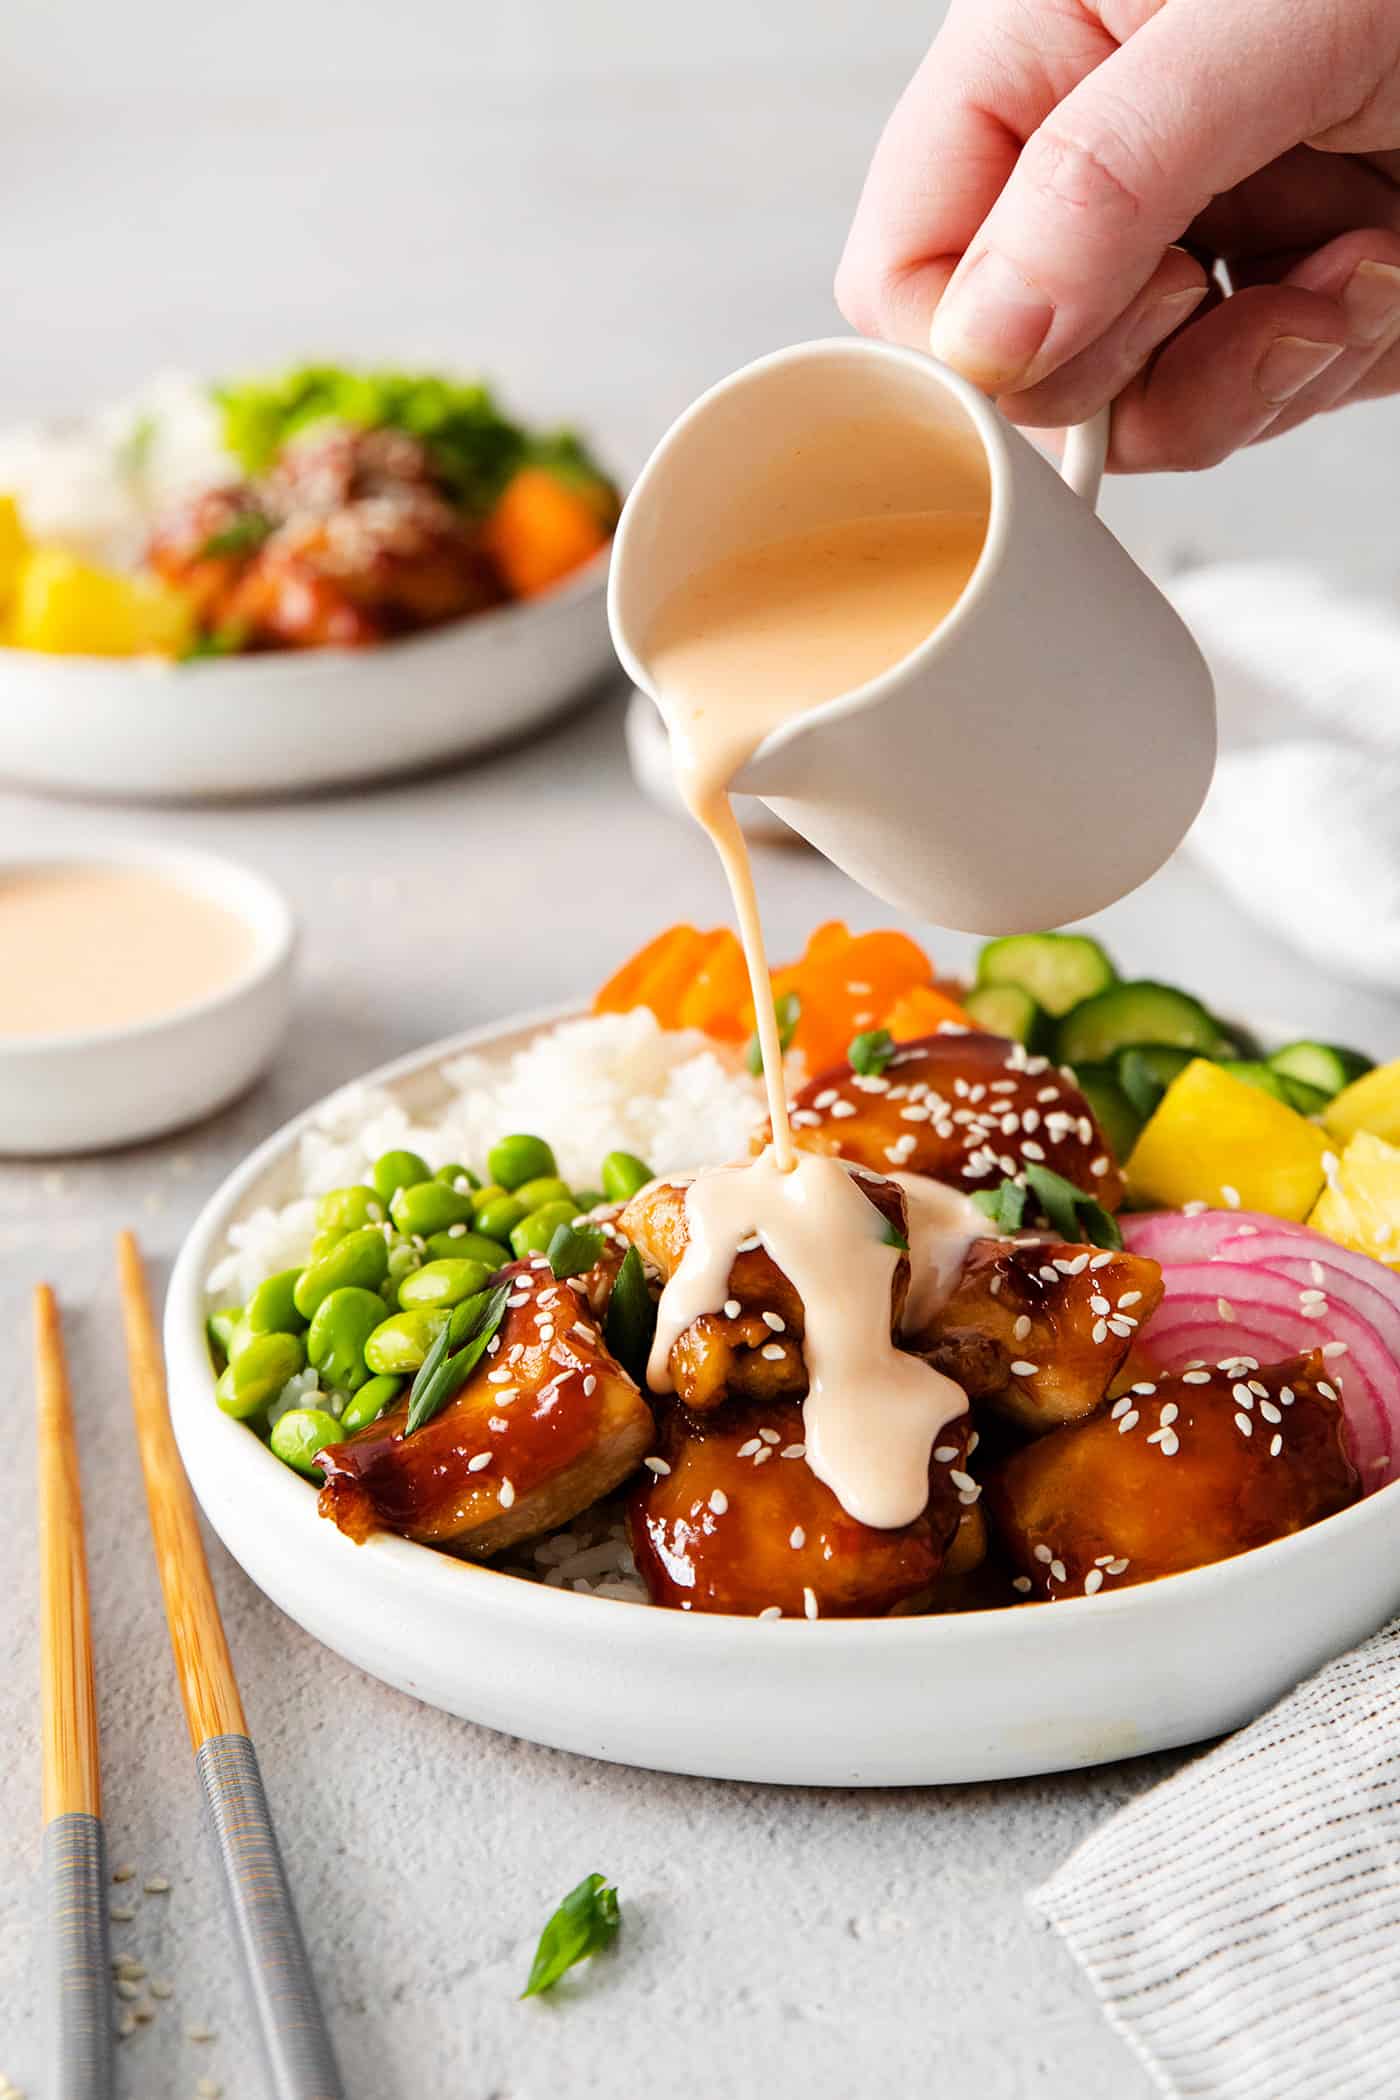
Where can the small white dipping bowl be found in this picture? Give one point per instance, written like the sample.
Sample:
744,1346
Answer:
848,1702
114,1086
141,729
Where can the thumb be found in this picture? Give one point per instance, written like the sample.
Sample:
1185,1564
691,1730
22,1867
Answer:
1197,99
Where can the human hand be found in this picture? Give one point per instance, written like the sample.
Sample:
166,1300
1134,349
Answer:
1030,190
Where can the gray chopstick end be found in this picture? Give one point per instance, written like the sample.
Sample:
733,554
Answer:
77,1977
300,2062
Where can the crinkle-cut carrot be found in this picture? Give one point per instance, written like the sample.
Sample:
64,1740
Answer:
719,992
846,983
625,988
541,530
920,1011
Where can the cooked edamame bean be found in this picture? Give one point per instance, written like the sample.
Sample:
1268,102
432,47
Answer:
258,1373
399,1344
454,1174
360,1258
220,1327
443,1283
545,1188
489,1193
369,1404
499,1218
347,1209
534,1232
272,1307
239,1338
623,1175
393,1171
403,1260
519,1158
429,1206
460,1243
344,1322
300,1433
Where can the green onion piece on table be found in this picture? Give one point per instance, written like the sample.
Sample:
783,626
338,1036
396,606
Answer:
585,1922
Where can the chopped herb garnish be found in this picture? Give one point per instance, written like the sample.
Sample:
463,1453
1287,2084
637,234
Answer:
871,1052
242,535
574,1249
631,1321
895,1238
455,1354
585,1922
788,1011
228,640
1005,1205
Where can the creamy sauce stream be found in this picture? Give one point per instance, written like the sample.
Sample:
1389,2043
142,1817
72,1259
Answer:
86,946
743,646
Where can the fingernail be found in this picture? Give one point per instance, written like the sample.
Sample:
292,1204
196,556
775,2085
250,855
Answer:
1289,363
1371,301
1164,315
990,323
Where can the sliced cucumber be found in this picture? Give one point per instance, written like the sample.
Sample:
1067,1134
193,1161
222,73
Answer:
1325,1066
1255,1074
1308,1100
1146,1070
1057,969
1140,1012
1110,1108
1006,1009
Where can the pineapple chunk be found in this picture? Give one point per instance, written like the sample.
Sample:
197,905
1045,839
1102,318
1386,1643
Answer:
1215,1140
1360,1207
1370,1103
66,607
14,549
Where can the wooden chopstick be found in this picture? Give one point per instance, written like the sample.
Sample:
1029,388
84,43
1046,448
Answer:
300,2062
78,1981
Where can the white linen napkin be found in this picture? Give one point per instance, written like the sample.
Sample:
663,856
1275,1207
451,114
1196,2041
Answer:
1302,824
1241,1922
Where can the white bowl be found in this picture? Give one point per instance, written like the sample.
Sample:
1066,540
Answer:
867,1702
114,1086
298,719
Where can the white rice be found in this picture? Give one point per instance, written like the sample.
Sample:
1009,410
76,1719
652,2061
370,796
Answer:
95,483
613,1082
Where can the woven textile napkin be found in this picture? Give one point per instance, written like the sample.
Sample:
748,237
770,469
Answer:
1302,824
1241,1922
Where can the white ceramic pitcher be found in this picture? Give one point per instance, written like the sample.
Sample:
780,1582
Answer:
1046,748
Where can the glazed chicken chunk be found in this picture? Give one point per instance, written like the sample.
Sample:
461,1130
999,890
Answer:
1177,1473
546,1424
1052,1325
737,1522
968,1109
752,1348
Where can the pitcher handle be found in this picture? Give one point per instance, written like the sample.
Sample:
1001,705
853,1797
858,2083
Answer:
1086,450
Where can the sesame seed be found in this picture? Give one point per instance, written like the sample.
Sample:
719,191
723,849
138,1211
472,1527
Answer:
1099,1305
1093,1581
125,1988
1122,1326
1146,1388
1129,1298
1129,1421
1100,1331
505,1494
797,1538
1021,1329
1335,1348
1275,1446
1057,1571
1169,1414
500,1376
1230,1196
1117,1567
1044,1555
1257,1385
1023,1369
1099,1261
475,1465
656,1465
763,1453
771,1611
1269,1411
122,1913
747,1450
162,1988
1244,1425
809,1603
839,1108
590,1386
961,1480
1031,1150
793,1451
1225,1309
1120,1407
732,1308
1328,1391
1242,1395
773,1352
770,1436
1286,1395
1021,1583
776,1322
719,1501
1098,1167
1195,1377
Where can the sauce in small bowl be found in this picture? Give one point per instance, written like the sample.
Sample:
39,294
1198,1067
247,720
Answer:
140,990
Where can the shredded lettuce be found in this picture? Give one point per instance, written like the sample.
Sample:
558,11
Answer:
474,446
